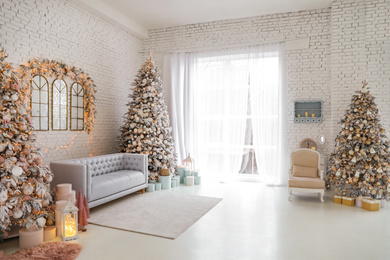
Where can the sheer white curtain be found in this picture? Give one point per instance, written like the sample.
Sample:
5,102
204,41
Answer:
177,74
209,105
220,107
267,94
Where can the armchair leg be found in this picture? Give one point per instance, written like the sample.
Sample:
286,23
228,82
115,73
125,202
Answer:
322,196
289,194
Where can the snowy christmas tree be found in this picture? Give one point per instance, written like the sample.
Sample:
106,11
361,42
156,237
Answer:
360,164
147,128
24,185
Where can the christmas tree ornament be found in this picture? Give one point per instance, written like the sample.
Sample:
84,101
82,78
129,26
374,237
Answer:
3,195
18,213
17,171
28,189
41,221
14,97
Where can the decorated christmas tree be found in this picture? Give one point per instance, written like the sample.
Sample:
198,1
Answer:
24,182
360,164
147,128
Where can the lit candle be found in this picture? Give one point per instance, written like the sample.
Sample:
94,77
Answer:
299,115
313,115
306,114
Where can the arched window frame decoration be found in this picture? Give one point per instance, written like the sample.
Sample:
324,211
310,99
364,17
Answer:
59,70
39,86
59,91
76,94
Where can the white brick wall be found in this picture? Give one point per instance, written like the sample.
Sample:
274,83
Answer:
360,51
308,70
348,43
57,30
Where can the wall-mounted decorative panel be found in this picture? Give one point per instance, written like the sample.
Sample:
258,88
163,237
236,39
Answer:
307,111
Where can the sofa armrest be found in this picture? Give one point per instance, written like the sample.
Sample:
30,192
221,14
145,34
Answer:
137,162
74,173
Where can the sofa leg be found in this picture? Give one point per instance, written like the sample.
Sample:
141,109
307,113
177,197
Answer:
289,194
143,190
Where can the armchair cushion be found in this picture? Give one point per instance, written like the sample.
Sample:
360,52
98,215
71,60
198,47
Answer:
302,171
307,183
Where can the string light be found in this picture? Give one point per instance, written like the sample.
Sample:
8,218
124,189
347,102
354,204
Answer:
67,146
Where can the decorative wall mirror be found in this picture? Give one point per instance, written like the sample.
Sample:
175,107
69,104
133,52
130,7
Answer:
40,103
59,105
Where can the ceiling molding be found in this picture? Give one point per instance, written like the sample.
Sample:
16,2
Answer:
107,13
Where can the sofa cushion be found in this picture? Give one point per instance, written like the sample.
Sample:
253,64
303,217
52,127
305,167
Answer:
304,182
302,171
111,183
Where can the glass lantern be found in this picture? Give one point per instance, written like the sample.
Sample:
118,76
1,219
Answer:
69,217
189,162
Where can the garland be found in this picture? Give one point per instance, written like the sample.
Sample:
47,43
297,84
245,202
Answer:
60,70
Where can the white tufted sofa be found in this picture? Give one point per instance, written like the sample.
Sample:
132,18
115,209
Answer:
103,178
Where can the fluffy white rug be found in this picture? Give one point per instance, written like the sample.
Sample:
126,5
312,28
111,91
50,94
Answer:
159,213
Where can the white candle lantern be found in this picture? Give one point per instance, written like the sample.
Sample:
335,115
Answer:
69,219
189,161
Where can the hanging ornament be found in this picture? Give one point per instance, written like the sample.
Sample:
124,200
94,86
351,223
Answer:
7,117
41,221
28,189
18,213
14,97
17,171
22,127
372,150
3,195
357,174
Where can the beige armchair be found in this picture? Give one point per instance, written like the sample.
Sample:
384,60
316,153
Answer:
305,175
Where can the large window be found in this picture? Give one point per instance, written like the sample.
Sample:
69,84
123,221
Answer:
236,110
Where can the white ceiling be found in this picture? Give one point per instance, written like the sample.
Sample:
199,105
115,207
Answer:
138,16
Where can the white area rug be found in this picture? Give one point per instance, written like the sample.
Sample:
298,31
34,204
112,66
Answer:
159,213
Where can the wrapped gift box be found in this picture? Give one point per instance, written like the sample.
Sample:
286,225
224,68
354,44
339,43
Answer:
337,199
164,172
371,205
348,201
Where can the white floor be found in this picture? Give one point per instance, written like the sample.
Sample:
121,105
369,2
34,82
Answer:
252,222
